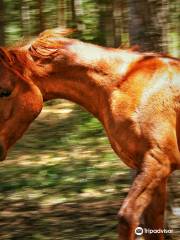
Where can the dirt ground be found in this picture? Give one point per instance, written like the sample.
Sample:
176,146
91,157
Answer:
62,181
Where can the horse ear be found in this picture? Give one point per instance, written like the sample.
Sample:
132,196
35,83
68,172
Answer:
5,55
10,56
15,60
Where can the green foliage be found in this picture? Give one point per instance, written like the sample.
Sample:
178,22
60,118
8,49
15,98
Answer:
174,26
25,18
60,180
90,20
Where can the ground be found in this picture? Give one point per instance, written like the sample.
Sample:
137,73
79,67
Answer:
62,181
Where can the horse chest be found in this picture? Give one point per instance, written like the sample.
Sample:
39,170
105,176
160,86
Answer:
127,142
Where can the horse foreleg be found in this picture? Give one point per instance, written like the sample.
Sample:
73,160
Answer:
154,213
153,173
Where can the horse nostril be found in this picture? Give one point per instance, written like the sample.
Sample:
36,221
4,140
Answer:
2,152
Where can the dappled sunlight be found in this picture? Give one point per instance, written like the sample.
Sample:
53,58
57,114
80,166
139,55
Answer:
58,180
55,178
52,179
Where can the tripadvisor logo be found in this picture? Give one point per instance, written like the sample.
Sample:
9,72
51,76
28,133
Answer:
139,231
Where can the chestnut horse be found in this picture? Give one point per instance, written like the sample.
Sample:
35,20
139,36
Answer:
136,96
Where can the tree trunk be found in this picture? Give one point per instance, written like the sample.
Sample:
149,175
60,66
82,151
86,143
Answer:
117,15
61,13
25,18
2,23
109,25
78,10
106,23
148,24
71,14
40,17
73,11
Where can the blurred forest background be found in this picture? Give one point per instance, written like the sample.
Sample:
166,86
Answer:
62,180
153,25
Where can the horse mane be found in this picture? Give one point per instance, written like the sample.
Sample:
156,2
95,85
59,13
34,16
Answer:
28,55
49,41
20,56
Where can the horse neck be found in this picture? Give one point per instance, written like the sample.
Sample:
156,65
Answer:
77,84
86,94
87,78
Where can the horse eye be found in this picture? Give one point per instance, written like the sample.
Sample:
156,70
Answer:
4,93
